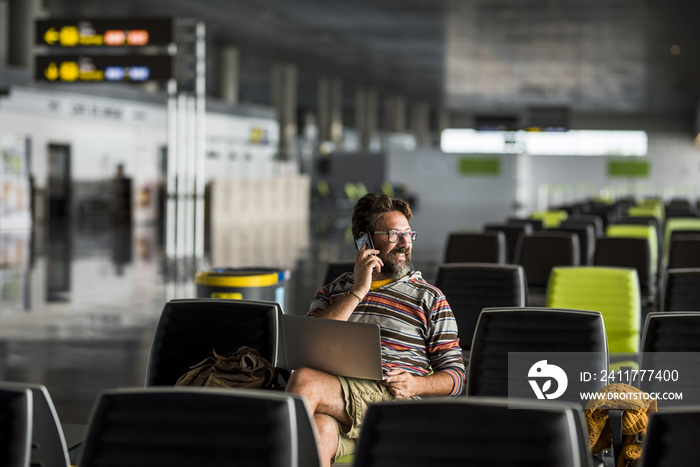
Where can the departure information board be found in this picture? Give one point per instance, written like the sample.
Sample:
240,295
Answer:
103,68
104,33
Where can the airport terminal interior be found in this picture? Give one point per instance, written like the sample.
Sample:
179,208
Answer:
251,155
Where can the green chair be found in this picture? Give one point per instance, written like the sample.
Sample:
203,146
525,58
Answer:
614,292
639,231
656,211
550,218
655,203
678,223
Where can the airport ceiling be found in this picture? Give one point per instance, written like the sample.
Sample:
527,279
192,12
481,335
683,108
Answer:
470,56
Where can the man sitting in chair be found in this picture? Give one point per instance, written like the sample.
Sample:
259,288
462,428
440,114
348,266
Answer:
420,348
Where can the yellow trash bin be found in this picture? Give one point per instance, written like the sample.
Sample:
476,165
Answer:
243,284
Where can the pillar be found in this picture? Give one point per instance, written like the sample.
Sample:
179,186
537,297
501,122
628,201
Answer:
22,14
330,110
4,31
228,76
395,114
420,123
366,116
284,99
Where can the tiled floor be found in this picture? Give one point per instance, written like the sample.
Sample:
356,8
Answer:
79,302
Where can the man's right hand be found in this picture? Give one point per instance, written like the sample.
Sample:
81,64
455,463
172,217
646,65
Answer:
366,262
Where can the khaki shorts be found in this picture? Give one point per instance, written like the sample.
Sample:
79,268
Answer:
358,393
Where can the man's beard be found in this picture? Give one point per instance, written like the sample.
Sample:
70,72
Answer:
394,268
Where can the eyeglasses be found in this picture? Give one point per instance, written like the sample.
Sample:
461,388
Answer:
394,236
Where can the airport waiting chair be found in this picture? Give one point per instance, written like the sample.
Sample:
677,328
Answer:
629,253
554,333
612,291
184,427
670,438
681,290
48,442
512,233
680,207
605,212
684,251
536,224
335,269
680,203
189,329
539,253
471,287
639,231
676,213
15,427
473,432
689,224
639,220
670,356
652,210
589,219
586,239
550,219
476,247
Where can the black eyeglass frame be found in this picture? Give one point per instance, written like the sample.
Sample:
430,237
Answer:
410,235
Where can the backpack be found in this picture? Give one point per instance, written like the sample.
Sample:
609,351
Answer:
244,368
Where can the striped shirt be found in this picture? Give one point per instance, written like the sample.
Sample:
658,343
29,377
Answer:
418,329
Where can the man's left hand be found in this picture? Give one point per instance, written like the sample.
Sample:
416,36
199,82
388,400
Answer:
401,384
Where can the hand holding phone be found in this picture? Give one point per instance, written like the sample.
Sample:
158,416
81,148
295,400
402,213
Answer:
364,239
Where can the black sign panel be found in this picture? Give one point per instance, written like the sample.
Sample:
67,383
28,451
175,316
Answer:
103,68
133,32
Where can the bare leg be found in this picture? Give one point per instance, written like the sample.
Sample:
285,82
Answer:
326,401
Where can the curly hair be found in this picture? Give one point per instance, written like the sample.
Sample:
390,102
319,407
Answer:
366,213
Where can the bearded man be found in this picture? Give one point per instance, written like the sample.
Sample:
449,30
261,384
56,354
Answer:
421,355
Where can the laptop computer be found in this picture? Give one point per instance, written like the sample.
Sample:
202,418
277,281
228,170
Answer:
342,348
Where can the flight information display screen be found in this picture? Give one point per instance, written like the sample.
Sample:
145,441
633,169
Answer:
103,68
104,33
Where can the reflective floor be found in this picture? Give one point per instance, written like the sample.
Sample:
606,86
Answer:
79,301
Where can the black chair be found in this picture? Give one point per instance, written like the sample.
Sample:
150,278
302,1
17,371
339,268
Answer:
673,213
512,233
605,212
476,247
671,356
646,220
586,239
472,432
49,447
471,287
539,253
15,427
684,251
575,337
536,224
189,329
671,437
629,253
335,269
680,290
183,427
589,219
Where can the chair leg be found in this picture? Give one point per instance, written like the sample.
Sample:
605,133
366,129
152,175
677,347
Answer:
615,420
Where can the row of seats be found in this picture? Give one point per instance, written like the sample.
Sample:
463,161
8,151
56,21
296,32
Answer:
615,291
169,426
214,427
574,243
470,287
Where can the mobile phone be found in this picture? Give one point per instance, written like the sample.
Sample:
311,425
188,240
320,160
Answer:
365,239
